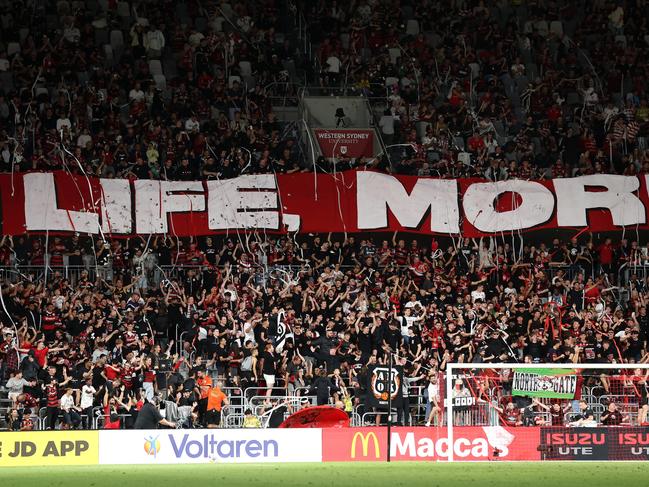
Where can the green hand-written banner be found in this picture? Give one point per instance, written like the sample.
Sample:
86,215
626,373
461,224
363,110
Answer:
555,383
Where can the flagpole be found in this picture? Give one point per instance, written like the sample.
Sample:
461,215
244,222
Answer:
390,403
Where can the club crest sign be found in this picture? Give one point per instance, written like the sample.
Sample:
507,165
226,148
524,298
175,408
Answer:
385,383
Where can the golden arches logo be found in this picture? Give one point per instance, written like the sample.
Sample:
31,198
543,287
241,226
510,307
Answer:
365,444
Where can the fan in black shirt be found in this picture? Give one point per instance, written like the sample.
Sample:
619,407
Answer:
149,417
613,417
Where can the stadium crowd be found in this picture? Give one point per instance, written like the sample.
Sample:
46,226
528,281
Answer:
497,89
302,315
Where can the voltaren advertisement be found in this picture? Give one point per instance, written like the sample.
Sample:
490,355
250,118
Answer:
44,448
210,446
471,443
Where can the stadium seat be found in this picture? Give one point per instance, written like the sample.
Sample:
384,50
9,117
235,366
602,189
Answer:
421,128
556,28
499,127
13,48
531,71
83,78
433,39
101,37
344,40
573,98
407,12
620,39
108,52
250,82
433,156
42,92
464,158
226,8
116,39
169,67
412,28
245,68
200,24
542,28
475,70
217,24
395,54
289,66
63,7
160,81
7,81
232,79
123,9
155,67
391,81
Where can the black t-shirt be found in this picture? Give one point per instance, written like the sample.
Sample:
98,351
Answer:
587,413
613,418
148,417
277,417
269,363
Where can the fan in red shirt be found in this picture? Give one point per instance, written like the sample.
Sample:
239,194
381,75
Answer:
401,253
418,269
512,415
606,252
52,395
57,249
476,143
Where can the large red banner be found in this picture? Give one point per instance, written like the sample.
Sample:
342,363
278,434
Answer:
345,143
351,201
470,443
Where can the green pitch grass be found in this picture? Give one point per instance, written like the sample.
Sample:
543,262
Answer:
547,474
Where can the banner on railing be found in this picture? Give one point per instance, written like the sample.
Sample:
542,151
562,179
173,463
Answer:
210,446
345,143
617,443
351,201
470,443
384,385
48,448
554,383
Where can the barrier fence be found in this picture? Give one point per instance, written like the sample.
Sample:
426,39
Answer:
471,443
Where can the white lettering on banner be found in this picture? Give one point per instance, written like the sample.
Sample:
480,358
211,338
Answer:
573,200
154,200
115,206
344,135
243,202
254,201
376,193
209,446
426,447
42,211
535,208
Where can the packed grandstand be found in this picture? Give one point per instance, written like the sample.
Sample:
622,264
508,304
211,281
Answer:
95,326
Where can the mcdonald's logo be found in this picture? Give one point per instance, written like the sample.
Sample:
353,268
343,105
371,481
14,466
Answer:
365,444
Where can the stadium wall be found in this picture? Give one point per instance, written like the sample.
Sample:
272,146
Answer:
492,443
